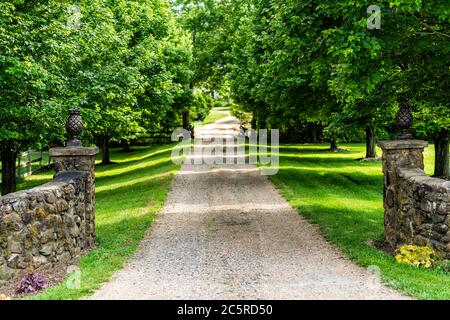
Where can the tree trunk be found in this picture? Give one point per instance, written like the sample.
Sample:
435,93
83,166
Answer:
262,123
125,146
254,121
371,150
105,154
314,133
441,166
8,172
186,121
333,144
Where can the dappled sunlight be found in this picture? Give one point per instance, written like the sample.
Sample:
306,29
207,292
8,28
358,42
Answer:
348,149
216,114
124,170
332,186
129,193
344,197
346,170
358,205
35,180
325,166
129,184
139,153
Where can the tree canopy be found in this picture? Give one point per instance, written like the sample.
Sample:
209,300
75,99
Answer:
318,62
126,64
134,67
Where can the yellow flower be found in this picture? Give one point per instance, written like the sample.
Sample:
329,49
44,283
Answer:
420,257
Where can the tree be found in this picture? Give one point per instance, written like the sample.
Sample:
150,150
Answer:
32,35
124,63
284,76
407,59
210,24
318,61
128,75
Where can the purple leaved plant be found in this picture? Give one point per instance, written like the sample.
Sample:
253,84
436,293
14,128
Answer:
31,283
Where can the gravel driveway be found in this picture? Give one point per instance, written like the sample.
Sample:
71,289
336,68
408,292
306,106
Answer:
226,233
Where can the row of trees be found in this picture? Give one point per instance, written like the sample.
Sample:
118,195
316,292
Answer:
136,66
317,64
127,65
330,69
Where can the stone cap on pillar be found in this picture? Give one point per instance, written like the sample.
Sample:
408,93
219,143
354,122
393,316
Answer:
73,151
402,144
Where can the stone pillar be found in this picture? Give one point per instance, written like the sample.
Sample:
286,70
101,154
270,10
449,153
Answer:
396,154
77,158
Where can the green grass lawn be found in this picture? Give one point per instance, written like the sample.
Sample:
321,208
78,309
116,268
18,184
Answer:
345,198
129,195
215,115
35,166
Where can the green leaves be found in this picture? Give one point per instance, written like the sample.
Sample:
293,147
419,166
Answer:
317,60
132,65
115,59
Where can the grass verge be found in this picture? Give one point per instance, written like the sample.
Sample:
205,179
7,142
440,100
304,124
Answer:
129,194
345,198
216,114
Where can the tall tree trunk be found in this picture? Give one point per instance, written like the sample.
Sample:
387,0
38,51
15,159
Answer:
441,166
254,121
105,154
333,143
371,150
186,121
262,123
314,133
125,146
8,171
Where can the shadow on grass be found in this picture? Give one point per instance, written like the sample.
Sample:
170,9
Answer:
351,229
122,186
133,173
116,243
125,209
124,159
325,149
344,197
336,180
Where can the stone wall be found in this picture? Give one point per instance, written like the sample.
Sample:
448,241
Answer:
80,159
417,207
53,223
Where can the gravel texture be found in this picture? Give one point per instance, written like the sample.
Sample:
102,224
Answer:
226,233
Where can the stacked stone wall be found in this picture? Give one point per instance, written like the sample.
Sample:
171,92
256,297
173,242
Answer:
424,209
417,206
44,226
53,223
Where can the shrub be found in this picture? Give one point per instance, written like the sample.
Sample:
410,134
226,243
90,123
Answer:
420,257
243,116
